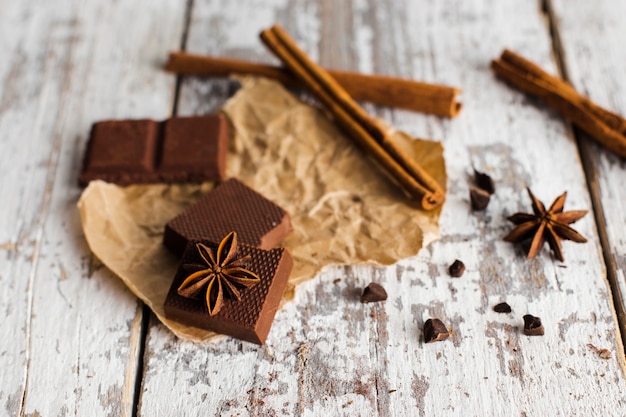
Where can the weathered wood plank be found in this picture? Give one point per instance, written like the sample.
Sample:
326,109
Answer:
70,329
328,354
592,36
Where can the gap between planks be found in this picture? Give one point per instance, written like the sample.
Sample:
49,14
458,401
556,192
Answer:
590,169
146,313
183,47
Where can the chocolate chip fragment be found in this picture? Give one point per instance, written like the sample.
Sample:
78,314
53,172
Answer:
435,331
479,198
533,326
456,269
484,182
502,308
373,292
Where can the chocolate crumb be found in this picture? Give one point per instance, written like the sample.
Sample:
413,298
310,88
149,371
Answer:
435,331
502,308
532,326
456,269
479,198
392,390
336,280
602,353
484,182
373,292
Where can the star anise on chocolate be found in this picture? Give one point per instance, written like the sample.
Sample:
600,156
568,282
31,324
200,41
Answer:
223,271
546,225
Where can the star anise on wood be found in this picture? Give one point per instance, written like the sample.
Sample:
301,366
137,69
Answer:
546,225
223,271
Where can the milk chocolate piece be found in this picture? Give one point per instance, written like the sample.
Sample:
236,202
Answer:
232,206
248,319
180,149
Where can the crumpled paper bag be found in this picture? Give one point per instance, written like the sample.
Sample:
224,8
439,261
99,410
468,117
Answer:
343,209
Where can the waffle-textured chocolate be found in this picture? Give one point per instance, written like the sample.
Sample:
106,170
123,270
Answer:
248,319
180,149
232,206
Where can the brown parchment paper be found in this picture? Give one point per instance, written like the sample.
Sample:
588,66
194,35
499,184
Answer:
342,209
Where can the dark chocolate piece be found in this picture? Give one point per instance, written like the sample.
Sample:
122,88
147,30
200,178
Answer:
456,269
479,198
248,319
502,308
435,331
180,149
484,182
373,292
232,206
533,326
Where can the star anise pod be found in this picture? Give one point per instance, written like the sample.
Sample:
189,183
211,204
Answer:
222,271
550,225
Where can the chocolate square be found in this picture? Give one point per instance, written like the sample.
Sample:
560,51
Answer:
232,206
181,149
122,146
186,148
250,318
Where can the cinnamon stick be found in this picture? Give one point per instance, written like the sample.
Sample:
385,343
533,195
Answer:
606,127
439,100
365,130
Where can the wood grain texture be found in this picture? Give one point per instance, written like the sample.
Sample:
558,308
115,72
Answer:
70,331
328,354
70,337
596,66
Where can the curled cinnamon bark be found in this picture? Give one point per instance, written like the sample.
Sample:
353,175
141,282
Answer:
606,127
361,127
439,100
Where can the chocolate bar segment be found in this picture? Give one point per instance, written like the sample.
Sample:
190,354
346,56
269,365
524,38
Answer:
232,206
249,318
121,151
187,154
181,149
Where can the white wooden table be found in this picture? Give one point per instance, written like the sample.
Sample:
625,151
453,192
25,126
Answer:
75,341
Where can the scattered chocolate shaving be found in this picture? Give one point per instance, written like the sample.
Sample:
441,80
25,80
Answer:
479,198
533,326
502,308
456,269
373,292
602,353
484,182
435,331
